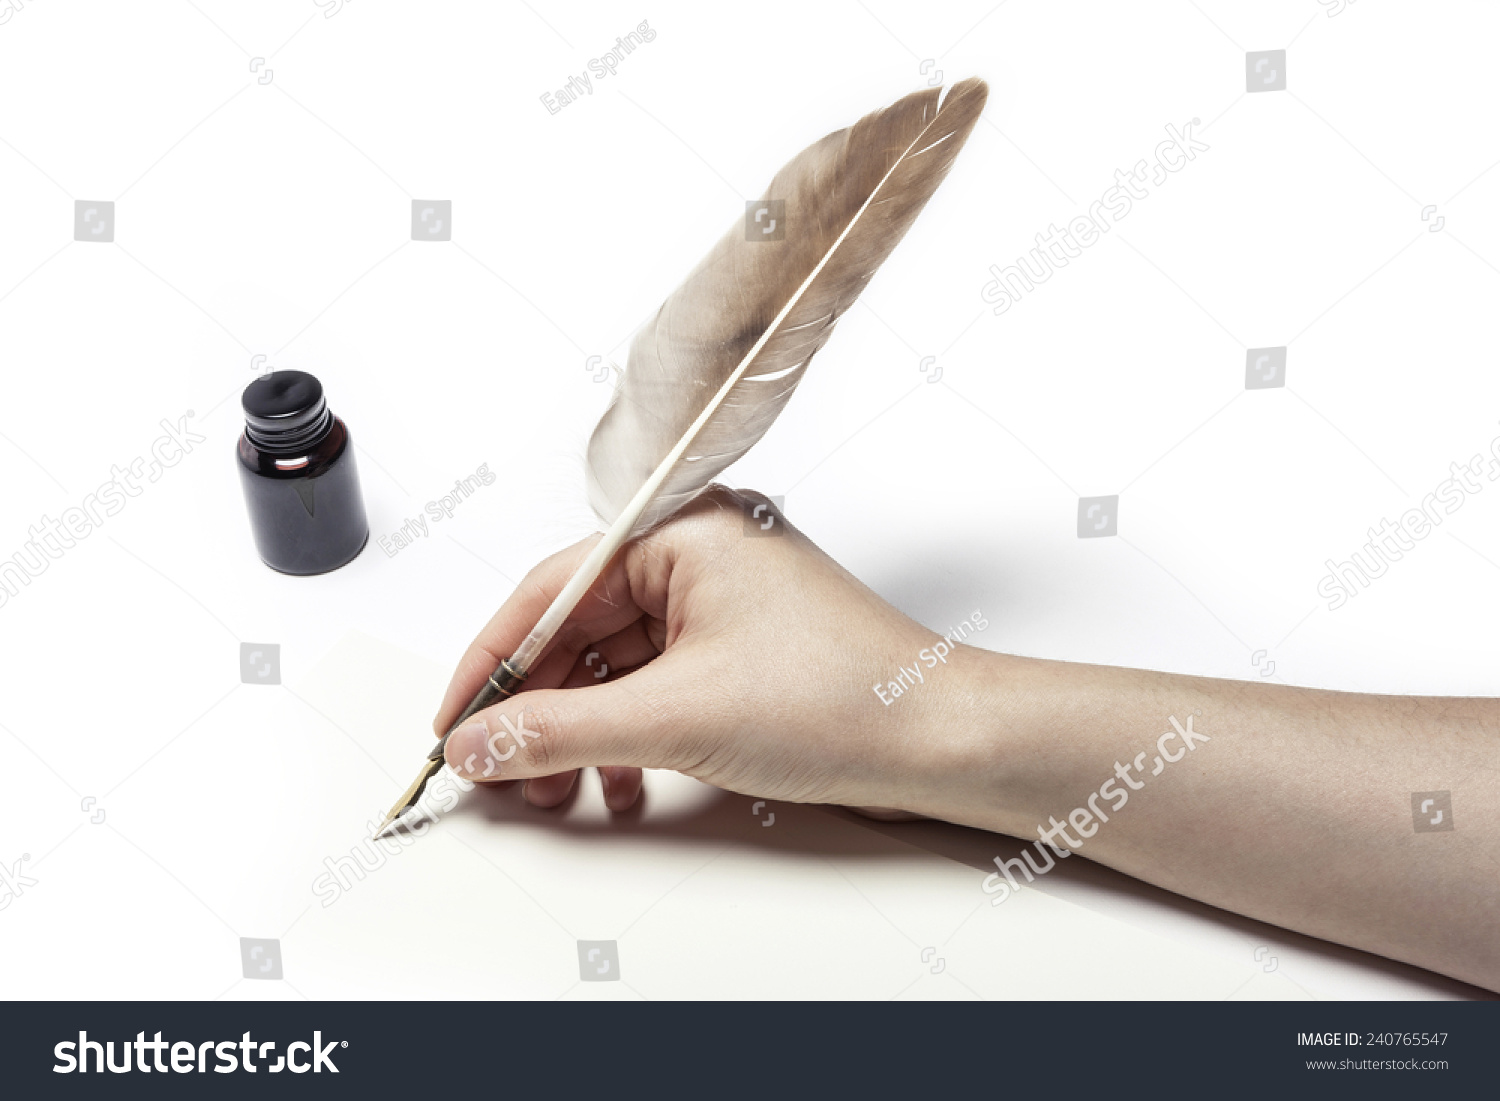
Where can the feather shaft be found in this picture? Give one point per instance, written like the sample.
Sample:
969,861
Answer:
627,523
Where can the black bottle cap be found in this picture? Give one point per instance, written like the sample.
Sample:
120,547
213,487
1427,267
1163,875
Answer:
285,411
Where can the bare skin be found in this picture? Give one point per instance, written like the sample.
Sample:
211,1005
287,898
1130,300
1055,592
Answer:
749,664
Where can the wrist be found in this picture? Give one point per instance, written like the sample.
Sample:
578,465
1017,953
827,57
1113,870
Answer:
988,738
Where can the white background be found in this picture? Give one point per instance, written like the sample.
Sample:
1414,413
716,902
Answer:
274,219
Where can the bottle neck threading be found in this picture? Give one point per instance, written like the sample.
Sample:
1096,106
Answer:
296,435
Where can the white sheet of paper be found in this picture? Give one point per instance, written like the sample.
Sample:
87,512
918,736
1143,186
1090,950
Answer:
705,893
243,819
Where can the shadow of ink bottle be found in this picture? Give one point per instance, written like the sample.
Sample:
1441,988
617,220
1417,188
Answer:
297,468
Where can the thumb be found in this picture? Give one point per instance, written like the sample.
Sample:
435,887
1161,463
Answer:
550,730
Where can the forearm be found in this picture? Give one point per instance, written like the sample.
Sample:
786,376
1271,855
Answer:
1289,805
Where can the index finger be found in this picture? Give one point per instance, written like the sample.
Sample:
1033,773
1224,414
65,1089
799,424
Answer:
608,607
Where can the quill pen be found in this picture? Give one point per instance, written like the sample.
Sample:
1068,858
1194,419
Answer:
710,372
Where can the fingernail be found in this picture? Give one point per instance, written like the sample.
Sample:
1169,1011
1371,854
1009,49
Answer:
467,748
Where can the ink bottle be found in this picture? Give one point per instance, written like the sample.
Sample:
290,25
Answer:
296,465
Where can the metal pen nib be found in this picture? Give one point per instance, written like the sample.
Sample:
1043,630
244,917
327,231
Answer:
430,768
503,683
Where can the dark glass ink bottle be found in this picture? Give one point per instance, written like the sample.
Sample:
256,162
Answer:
297,468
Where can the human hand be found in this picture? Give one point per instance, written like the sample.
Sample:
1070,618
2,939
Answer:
745,662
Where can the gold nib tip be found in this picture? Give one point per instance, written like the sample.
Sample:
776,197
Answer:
410,796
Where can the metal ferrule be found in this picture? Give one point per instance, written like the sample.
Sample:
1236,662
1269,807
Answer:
504,683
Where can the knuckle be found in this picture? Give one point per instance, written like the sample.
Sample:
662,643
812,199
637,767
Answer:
742,497
713,519
717,504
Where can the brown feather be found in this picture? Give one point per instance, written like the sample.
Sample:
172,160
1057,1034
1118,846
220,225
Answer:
877,174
